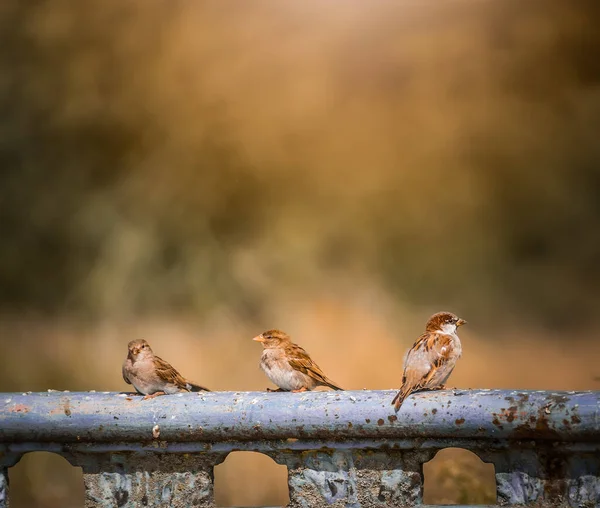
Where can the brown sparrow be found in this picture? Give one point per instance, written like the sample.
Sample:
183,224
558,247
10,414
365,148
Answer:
432,358
152,376
288,366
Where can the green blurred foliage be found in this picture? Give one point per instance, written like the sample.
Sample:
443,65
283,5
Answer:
160,156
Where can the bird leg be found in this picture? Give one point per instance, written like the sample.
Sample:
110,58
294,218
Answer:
155,394
278,390
303,389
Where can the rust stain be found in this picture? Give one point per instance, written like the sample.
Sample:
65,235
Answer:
392,418
542,424
380,422
496,421
511,414
555,468
575,419
459,421
536,427
20,408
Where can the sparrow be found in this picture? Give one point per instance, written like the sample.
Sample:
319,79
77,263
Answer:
152,376
431,359
288,366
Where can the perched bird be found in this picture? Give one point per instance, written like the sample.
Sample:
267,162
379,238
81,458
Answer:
152,376
288,366
432,358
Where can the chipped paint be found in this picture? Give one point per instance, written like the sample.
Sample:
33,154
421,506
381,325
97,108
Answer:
19,408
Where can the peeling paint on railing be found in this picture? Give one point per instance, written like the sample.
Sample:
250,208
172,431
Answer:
341,448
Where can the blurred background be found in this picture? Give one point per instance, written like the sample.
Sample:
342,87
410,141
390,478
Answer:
196,172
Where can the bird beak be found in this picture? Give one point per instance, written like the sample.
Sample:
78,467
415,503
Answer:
461,322
259,338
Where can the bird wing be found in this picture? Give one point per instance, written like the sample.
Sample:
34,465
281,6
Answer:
167,373
298,358
430,352
123,370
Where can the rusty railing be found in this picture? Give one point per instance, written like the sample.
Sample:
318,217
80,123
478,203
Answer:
342,449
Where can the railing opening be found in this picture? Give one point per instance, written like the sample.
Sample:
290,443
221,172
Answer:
45,480
251,479
457,476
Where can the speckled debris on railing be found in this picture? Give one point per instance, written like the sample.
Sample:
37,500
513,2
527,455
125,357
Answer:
341,449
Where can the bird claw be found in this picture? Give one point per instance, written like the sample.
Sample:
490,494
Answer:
156,394
303,389
270,390
436,388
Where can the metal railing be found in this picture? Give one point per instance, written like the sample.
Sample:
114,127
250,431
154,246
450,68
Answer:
341,449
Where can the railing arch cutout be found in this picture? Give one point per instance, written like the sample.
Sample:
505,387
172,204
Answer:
245,478
458,475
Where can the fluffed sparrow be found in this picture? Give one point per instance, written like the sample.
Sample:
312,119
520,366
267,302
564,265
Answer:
432,357
152,376
288,366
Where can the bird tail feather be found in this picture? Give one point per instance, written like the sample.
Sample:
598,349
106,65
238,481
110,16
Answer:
400,396
331,384
193,387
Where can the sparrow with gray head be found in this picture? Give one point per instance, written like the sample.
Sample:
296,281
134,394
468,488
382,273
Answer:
432,358
288,366
150,375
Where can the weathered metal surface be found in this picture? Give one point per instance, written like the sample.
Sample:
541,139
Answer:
342,449
147,479
218,416
3,487
353,478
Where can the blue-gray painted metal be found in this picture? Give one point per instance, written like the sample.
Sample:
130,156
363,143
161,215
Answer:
341,448
209,417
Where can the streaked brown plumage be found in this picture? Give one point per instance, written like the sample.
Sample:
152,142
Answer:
151,375
288,365
432,358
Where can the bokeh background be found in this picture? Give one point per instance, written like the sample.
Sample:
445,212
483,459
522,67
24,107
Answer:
195,172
